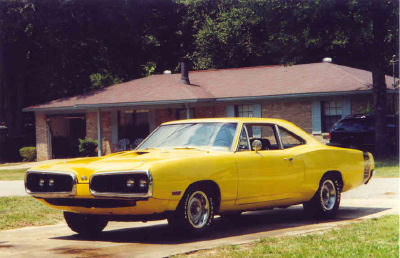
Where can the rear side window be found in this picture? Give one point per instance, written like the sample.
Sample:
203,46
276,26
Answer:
290,140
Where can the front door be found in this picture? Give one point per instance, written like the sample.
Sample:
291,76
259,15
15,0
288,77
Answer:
272,173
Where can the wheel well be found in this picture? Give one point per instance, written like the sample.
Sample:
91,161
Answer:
212,187
337,175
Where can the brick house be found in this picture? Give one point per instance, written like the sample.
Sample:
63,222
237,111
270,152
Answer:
313,96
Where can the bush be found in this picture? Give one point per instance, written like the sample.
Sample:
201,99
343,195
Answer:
87,147
28,153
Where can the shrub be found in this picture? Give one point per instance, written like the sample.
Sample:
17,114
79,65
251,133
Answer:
28,153
87,147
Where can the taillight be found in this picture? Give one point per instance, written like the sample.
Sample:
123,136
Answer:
368,167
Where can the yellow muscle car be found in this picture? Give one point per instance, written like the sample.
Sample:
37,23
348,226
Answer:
190,170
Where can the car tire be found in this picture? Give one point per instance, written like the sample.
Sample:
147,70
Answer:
85,224
326,201
195,213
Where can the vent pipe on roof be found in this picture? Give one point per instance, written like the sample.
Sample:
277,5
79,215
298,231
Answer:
327,60
185,71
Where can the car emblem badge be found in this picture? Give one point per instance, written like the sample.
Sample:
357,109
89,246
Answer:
84,178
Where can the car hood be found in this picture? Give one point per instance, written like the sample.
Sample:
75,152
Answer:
123,161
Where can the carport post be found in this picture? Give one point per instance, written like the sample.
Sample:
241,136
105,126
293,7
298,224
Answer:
187,111
99,133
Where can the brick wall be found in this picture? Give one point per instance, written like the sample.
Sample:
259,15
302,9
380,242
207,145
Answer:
106,117
91,125
211,111
42,141
165,115
92,132
299,113
170,114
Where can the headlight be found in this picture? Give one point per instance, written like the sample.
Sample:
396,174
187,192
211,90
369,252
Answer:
121,184
143,184
130,183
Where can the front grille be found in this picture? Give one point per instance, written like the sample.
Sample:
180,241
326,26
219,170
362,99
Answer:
92,203
50,182
121,184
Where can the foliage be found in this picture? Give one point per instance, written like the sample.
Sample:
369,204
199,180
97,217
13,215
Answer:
103,79
28,153
87,147
18,212
55,49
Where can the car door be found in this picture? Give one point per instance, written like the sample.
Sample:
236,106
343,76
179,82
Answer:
272,173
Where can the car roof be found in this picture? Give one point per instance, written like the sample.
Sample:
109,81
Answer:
230,120
241,120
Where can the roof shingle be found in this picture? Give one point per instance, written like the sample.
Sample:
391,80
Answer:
227,83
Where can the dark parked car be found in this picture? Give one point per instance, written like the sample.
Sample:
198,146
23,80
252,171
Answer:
358,132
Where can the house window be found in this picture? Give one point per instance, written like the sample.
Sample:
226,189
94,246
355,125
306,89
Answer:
244,110
133,124
332,111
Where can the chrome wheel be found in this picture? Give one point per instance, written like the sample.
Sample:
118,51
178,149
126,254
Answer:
326,201
328,195
198,209
195,213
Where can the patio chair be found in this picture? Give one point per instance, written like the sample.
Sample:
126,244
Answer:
123,145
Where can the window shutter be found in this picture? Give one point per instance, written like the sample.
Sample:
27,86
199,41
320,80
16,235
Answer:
230,110
256,110
316,117
346,108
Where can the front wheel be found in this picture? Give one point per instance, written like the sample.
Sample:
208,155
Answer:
195,213
85,224
326,201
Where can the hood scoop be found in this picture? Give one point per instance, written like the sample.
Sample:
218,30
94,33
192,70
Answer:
141,152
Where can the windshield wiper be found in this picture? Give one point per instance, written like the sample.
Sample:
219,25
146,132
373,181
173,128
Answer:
191,148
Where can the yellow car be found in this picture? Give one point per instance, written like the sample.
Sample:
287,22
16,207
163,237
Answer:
187,171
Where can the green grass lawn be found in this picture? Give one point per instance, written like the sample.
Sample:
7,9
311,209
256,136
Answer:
17,212
12,174
373,238
387,167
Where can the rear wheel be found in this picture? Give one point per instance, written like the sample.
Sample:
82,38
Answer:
85,224
195,213
326,201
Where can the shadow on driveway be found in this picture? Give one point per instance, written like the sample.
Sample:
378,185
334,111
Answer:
266,222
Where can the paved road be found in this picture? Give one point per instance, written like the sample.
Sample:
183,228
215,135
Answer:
154,239
12,188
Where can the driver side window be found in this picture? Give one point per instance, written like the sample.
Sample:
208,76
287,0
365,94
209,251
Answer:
264,133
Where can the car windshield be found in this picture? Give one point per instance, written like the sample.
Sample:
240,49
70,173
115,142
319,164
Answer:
192,135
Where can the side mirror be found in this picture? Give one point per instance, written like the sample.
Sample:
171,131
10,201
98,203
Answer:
256,145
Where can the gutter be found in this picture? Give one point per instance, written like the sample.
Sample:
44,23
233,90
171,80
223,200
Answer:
226,99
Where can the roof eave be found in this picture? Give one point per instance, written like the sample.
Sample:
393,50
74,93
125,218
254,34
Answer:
125,104
294,96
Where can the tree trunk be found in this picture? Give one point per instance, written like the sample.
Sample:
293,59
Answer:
378,79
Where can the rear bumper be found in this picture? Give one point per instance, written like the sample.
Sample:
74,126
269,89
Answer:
372,174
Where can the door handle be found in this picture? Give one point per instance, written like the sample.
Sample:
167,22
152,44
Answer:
289,159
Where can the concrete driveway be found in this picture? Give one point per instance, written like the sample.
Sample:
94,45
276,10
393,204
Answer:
154,239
